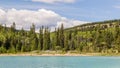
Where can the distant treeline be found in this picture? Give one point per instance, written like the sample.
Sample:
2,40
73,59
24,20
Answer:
99,37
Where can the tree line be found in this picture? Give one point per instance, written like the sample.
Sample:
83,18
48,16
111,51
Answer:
95,39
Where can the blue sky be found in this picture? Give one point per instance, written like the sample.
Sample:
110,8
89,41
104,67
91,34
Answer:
84,10
53,13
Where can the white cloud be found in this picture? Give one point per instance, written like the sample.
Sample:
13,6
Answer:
69,23
25,18
117,6
54,1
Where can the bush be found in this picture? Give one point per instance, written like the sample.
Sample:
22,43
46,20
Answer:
2,50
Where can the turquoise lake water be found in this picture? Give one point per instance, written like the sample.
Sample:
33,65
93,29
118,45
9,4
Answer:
59,62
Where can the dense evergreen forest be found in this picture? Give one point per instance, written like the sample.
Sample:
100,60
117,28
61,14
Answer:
100,37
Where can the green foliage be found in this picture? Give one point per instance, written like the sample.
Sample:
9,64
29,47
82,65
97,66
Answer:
96,37
3,50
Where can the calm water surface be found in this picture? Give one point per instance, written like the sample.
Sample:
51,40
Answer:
59,62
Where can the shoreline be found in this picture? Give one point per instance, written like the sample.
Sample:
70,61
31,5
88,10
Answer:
58,53
66,54
45,55
49,54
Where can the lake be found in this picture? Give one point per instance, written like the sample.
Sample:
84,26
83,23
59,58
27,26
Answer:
59,62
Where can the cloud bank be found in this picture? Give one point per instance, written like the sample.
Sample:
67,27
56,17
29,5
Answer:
55,1
25,18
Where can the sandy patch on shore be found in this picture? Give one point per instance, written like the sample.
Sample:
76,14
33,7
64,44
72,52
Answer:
37,54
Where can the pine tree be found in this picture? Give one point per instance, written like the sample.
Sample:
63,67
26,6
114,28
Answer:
62,36
45,44
40,46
